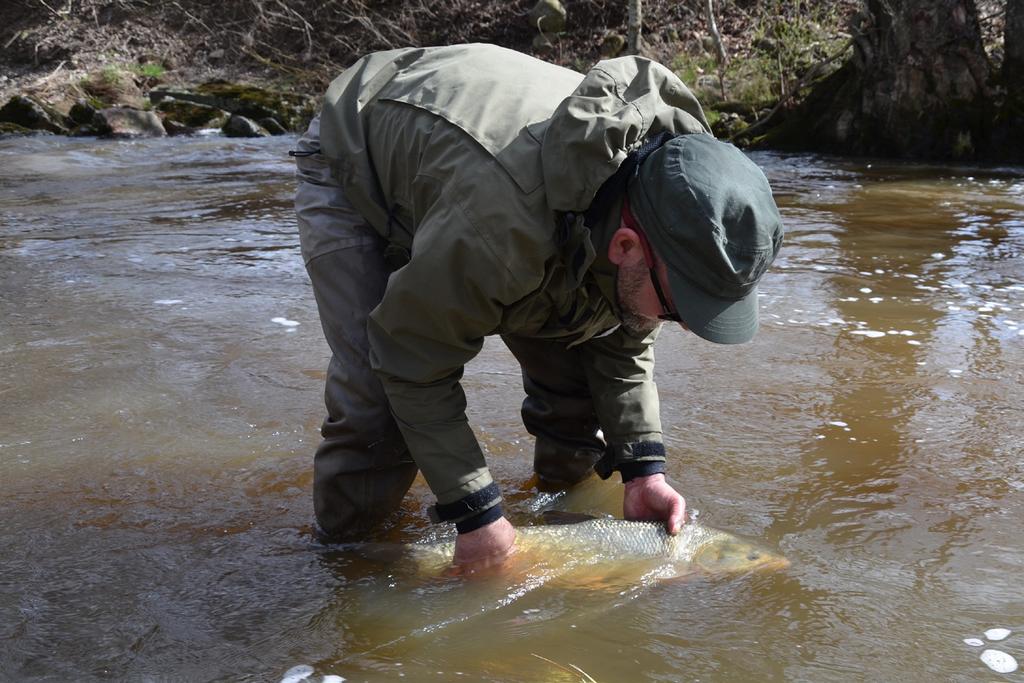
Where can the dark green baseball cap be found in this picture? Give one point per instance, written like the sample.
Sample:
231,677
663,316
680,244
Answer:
709,214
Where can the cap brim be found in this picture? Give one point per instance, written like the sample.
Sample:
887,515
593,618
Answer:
722,321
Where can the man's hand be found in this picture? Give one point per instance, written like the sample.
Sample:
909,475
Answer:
651,498
488,546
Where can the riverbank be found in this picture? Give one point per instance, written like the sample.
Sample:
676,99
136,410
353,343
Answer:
115,53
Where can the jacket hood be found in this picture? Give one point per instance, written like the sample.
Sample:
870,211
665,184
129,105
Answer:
619,103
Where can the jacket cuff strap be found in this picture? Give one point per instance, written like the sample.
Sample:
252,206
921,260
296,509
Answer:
491,514
639,452
643,468
468,506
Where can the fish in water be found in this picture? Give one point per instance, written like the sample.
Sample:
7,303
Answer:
696,548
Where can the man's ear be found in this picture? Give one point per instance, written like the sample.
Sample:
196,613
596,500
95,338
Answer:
625,248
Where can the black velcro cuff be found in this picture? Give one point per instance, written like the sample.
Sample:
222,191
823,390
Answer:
617,455
467,506
644,468
491,514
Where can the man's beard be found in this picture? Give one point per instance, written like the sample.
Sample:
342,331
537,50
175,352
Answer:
630,282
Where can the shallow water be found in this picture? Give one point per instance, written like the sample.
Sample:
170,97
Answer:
160,384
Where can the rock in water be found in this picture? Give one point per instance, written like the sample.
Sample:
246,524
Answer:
28,113
272,126
82,113
192,114
241,127
14,130
125,122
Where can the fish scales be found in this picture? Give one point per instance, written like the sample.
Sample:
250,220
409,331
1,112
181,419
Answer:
695,547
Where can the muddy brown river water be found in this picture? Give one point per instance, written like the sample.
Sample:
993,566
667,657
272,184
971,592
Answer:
160,394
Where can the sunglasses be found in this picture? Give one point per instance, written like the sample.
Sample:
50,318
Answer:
667,314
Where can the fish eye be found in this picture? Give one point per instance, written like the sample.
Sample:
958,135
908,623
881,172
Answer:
753,555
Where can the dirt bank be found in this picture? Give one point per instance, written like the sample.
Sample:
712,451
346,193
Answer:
54,47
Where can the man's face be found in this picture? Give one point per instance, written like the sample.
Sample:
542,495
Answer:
637,300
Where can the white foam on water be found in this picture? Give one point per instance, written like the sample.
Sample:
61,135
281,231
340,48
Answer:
297,673
913,342
997,633
331,678
876,299
911,276
938,255
168,302
907,333
955,371
999,661
285,321
892,331
838,423
874,334
820,268
865,290
952,307
974,642
879,271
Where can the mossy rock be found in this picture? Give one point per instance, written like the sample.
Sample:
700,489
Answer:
8,129
291,110
548,16
29,113
82,113
727,125
192,114
612,45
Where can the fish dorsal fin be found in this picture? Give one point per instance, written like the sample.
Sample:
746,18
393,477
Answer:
563,517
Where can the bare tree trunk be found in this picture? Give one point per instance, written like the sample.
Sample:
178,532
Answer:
716,37
916,86
1013,46
635,42
709,9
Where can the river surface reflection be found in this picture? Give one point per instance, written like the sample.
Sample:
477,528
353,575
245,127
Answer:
160,394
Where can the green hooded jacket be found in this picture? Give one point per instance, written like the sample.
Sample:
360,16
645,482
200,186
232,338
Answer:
465,158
